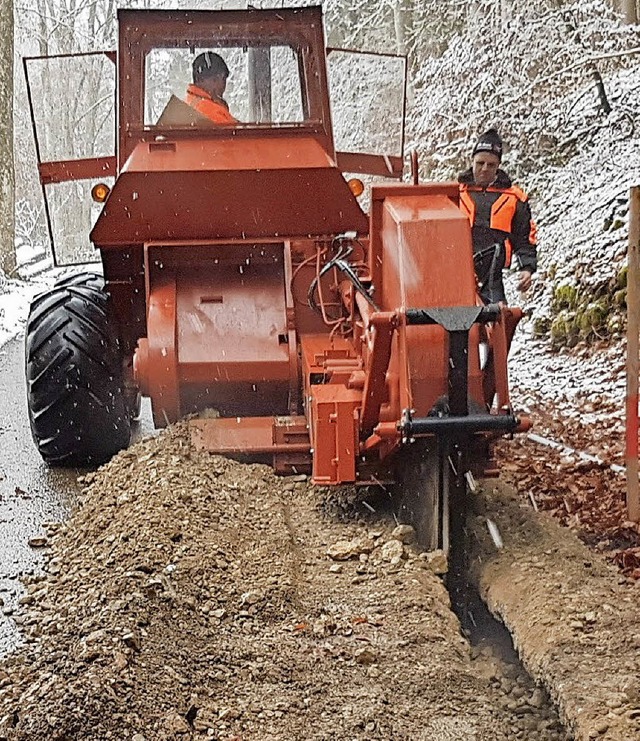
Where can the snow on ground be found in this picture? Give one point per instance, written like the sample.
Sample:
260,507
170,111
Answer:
568,380
14,306
581,210
16,296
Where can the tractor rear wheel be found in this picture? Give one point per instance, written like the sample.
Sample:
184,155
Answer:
96,280
86,278
75,392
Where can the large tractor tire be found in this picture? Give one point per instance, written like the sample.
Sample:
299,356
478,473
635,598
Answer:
75,392
96,281
88,279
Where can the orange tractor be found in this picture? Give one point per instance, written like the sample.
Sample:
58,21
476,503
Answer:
242,276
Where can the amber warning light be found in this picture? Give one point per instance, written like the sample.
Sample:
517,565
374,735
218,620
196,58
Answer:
356,187
100,192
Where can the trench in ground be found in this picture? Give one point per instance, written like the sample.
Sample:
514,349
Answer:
484,632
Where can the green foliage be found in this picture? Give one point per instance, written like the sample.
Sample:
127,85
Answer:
564,329
541,326
565,297
597,312
621,279
582,313
620,298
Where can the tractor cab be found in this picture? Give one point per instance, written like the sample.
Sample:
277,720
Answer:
298,105
279,82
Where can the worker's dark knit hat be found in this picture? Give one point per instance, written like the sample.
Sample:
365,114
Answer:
209,64
490,141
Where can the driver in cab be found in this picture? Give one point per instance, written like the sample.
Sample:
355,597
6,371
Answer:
210,74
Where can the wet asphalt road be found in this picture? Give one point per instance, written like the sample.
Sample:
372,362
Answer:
31,493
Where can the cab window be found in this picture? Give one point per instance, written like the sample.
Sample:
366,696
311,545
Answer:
263,86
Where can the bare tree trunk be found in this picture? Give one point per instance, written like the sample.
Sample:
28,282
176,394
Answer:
7,246
505,11
400,22
402,12
603,98
630,11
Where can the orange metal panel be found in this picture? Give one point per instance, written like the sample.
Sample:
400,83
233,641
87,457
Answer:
318,350
239,371
393,190
284,438
245,435
426,262
236,398
499,346
237,435
383,326
374,164
184,204
82,169
333,406
335,433
161,356
236,153
228,316
217,336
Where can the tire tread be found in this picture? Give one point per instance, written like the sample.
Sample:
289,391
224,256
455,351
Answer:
75,393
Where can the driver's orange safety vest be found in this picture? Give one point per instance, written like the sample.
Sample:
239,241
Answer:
215,110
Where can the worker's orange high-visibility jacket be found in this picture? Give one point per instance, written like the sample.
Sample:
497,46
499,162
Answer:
501,225
214,109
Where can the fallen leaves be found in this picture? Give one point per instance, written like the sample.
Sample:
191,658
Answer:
584,495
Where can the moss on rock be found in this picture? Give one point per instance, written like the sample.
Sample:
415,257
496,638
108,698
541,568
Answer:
582,312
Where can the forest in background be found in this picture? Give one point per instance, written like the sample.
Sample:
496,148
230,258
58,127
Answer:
560,79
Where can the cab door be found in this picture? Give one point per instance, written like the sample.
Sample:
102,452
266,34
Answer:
368,107
72,106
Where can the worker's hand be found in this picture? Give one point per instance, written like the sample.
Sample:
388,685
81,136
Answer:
524,282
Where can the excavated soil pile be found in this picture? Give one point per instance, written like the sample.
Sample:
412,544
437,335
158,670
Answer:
194,597
573,618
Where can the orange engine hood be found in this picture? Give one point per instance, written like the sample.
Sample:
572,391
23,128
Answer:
226,188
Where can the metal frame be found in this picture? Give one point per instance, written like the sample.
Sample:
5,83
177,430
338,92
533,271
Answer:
140,31
391,166
61,171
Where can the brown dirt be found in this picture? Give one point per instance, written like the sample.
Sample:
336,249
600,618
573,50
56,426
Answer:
585,496
584,409
573,617
193,597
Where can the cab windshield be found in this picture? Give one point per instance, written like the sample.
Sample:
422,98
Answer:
263,86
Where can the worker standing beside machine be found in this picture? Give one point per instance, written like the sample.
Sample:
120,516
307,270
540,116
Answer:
500,217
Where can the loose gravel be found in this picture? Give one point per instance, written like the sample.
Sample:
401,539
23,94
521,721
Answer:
194,597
